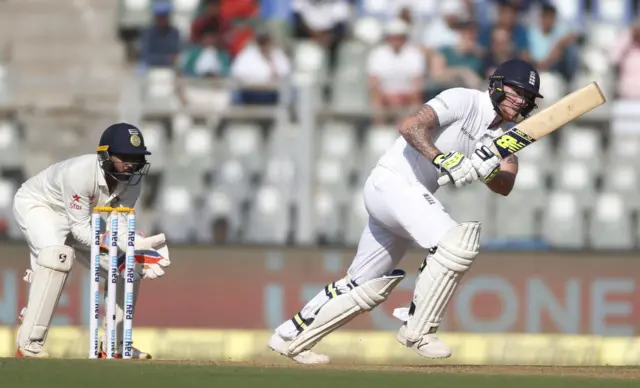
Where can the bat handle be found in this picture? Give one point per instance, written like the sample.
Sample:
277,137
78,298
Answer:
444,180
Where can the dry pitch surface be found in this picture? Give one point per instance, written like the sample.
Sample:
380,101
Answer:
185,374
602,372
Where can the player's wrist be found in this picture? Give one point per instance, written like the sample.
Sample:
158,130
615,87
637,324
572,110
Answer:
437,160
447,159
439,157
492,175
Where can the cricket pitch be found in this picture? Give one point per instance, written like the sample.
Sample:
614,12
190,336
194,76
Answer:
65,373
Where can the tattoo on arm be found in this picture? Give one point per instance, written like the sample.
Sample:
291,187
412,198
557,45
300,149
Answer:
512,159
416,131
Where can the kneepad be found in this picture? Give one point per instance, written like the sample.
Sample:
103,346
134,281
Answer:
47,282
439,278
344,307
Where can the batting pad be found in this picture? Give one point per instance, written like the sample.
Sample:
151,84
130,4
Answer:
47,282
440,277
343,308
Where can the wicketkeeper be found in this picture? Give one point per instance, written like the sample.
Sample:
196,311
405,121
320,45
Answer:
53,210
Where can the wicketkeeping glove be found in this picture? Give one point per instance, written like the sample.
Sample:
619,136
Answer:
486,163
456,168
151,255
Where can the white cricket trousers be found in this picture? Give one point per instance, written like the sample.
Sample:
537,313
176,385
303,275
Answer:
40,225
400,212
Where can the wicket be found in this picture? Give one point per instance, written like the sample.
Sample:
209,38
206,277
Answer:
111,283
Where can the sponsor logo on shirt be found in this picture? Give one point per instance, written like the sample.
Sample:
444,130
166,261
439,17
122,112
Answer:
466,132
74,202
429,199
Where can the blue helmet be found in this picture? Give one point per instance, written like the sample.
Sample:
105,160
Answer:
126,142
520,74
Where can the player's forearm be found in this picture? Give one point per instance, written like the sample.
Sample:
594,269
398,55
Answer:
416,130
505,179
502,183
82,233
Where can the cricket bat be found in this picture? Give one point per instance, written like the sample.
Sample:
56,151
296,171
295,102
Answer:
540,124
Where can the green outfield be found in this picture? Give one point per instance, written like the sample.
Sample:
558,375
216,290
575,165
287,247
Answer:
184,374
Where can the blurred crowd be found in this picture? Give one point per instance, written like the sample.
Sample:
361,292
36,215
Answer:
377,56
459,46
225,40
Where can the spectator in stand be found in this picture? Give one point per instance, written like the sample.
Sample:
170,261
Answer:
258,67
625,55
415,30
507,19
396,71
524,6
553,45
500,50
207,59
239,18
323,21
208,20
442,29
160,43
462,62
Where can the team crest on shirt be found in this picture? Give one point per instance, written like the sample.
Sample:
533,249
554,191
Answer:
135,140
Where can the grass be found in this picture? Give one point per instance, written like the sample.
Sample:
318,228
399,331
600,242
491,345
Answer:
165,374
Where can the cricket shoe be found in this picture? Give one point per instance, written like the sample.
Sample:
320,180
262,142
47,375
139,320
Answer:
429,346
31,350
137,354
280,345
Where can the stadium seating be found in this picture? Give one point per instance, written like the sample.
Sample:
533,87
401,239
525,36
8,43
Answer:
576,189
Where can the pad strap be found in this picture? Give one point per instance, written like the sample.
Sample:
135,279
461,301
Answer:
343,308
439,276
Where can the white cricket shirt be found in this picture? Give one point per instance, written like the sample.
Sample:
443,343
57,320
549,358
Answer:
396,71
464,116
322,15
251,67
73,188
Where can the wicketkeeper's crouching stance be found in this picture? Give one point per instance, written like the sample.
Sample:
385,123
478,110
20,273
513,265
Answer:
53,210
448,136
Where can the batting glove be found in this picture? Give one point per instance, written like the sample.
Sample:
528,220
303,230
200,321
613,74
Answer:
456,168
486,163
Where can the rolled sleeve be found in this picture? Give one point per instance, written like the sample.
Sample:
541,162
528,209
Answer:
450,105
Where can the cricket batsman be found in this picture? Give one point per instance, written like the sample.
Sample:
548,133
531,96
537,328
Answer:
53,210
449,135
